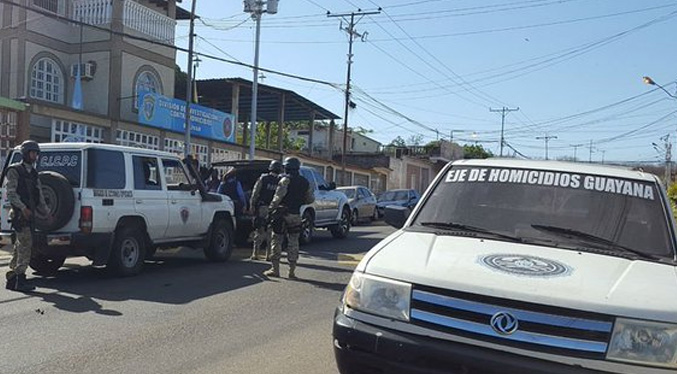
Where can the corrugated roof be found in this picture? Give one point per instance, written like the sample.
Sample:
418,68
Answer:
217,94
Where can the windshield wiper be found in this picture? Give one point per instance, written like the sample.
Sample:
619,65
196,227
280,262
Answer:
464,227
590,238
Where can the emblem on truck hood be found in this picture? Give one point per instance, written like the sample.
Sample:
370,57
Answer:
525,265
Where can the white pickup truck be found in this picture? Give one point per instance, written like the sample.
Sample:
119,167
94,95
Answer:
511,266
118,205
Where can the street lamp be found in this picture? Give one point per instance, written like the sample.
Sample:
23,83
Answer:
651,82
666,138
255,7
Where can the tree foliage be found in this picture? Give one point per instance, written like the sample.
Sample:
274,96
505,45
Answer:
476,151
398,142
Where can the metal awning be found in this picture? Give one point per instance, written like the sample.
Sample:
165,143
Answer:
217,94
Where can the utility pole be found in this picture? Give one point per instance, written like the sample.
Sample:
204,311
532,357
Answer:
504,112
189,80
668,160
591,147
352,34
255,7
603,152
451,134
575,148
546,138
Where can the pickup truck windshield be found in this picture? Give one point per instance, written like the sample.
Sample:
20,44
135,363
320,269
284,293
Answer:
568,210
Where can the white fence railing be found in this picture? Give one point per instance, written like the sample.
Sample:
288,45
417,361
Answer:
93,12
135,16
148,21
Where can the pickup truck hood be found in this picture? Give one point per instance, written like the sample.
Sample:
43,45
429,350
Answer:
533,273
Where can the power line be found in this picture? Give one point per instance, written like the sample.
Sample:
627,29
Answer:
155,42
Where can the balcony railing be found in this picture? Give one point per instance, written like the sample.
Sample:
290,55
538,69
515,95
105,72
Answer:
135,16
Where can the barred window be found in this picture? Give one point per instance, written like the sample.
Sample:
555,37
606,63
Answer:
137,139
47,81
64,131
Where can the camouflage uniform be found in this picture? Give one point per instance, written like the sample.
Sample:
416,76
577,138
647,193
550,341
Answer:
291,225
262,195
23,243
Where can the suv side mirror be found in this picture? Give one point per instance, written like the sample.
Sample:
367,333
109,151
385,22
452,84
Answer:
332,186
396,216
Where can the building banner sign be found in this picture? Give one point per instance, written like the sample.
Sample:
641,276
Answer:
167,113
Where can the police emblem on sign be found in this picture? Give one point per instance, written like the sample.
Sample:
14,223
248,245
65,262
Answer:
148,107
185,213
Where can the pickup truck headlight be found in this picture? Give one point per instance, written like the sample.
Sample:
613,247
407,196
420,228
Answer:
643,342
376,295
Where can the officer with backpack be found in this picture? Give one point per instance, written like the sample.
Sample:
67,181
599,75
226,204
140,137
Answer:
262,196
24,193
292,192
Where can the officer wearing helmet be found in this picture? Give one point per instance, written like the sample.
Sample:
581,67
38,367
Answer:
24,193
262,196
291,193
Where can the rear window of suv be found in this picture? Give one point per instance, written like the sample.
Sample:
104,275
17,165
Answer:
66,163
105,169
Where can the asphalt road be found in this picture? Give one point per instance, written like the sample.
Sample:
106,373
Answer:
183,315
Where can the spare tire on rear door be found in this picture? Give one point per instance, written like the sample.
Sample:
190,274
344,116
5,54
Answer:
59,198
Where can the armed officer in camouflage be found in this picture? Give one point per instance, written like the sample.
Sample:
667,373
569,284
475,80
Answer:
24,193
262,196
292,192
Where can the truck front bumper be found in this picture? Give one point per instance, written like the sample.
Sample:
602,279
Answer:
363,348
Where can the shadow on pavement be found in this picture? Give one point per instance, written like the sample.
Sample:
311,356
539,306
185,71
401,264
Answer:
171,280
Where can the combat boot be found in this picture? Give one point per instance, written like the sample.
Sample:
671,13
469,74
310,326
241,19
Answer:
18,283
11,280
292,271
274,271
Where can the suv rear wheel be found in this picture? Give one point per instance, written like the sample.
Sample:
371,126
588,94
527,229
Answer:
44,265
128,252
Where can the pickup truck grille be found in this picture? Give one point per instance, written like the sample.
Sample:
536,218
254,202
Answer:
544,328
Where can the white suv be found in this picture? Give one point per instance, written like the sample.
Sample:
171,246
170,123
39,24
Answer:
117,205
512,266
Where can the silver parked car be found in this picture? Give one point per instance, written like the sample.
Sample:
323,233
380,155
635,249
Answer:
362,203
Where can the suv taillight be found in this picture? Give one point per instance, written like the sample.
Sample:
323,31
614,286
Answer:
86,218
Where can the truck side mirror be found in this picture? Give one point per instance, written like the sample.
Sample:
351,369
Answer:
396,216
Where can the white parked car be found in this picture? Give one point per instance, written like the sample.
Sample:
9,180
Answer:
117,205
510,266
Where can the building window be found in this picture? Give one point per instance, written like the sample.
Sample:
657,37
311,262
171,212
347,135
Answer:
47,81
176,146
220,154
137,139
64,132
50,5
147,81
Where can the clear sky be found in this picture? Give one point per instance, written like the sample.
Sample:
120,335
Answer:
573,67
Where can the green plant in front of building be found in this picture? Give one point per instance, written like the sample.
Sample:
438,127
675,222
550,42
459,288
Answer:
672,195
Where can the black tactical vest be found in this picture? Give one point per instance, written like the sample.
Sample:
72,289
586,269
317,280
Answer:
268,186
296,193
27,185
